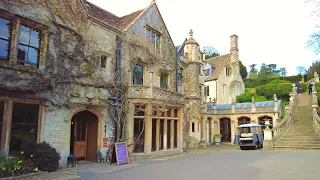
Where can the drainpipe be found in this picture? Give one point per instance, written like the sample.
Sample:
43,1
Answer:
177,71
178,52
117,84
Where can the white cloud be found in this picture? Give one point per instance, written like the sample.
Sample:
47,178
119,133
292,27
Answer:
270,31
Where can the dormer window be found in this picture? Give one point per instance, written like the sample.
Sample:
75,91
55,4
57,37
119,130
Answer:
227,71
153,41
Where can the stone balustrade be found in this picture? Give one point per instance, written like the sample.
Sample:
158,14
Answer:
245,108
316,118
152,92
281,128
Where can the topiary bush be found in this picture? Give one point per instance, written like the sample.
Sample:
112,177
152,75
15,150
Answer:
46,157
278,81
282,90
247,97
28,147
304,87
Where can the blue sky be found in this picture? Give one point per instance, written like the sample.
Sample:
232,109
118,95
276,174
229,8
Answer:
270,31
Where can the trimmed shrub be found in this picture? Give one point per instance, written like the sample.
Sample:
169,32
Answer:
247,97
304,87
278,81
282,90
46,157
28,147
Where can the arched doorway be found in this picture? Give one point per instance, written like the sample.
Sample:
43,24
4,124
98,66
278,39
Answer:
244,120
225,130
84,136
262,120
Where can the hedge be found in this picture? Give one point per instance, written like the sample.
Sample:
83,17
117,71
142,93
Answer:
282,90
278,81
247,97
304,87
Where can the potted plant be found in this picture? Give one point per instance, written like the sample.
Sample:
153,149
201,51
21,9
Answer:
217,138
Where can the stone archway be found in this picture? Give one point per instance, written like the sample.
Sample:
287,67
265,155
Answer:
244,120
84,135
262,121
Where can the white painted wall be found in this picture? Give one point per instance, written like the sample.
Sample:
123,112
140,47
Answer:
212,89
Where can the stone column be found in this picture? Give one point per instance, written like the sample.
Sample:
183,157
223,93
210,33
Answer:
157,135
130,126
165,134
148,129
203,129
172,134
180,127
267,141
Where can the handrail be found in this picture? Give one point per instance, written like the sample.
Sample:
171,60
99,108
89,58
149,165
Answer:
282,128
316,118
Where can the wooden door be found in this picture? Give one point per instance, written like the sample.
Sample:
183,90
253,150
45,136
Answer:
80,138
92,139
225,130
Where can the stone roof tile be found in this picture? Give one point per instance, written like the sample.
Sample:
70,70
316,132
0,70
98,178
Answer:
219,64
111,19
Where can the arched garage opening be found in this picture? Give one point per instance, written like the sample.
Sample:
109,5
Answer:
262,121
244,120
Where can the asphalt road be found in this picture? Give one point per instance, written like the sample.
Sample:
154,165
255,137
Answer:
240,165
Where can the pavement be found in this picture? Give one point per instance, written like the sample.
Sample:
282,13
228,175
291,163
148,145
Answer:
217,162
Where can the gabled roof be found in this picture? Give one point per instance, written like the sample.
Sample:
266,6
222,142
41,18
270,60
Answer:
219,63
117,22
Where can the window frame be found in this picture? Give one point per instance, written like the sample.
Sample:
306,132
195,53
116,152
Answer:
106,56
134,77
154,45
161,80
227,71
9,39
7,121
15,22
18,43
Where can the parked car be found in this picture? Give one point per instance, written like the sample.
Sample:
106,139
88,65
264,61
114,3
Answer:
249,136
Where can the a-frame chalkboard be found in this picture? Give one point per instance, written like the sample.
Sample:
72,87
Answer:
119,153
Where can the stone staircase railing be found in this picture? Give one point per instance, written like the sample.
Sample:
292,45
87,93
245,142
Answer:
316,118
281,128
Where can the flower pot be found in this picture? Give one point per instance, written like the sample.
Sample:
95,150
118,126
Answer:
217,140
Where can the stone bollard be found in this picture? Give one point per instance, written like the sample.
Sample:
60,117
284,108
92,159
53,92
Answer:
267,137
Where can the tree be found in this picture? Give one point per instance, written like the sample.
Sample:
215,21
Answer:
301,70
315,67
283,71
253,68
264,72
243,70
211,52
314,40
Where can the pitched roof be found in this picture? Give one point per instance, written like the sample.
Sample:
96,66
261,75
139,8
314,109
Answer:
111,19
218,63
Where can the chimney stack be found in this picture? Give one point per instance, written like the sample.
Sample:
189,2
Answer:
234,43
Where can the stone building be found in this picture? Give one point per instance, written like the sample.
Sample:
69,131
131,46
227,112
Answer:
60,65
52,88
223,81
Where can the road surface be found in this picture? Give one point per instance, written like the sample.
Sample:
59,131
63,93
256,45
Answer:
240,165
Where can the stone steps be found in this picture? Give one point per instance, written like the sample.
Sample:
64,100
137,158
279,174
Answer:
301,134
296,147
295,141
